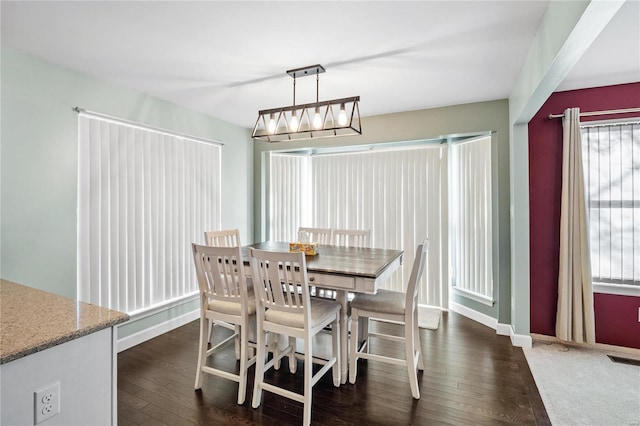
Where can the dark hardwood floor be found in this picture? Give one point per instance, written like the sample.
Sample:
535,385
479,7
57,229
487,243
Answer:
472,377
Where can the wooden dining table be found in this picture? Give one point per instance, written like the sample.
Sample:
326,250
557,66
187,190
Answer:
343,270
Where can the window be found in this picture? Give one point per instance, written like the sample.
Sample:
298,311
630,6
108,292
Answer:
143,197
400,194
471,230
288,196
611,156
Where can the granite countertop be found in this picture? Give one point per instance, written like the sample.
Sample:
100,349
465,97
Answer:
33,320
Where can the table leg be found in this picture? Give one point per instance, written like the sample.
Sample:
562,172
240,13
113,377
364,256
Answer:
341,297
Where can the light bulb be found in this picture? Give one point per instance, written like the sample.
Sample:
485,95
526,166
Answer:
272,125
342,116
317,119
293,124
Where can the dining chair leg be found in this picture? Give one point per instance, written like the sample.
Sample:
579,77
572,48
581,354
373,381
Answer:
308,382
418,344
273,342
242,382
210,332
342,298
335,341
293,362
237,341
260,357
411,359
202,350
363,331
353,348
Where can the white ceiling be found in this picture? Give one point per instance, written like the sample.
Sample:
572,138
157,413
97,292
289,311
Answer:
614,57
228,59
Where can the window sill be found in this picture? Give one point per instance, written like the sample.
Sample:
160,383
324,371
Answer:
619,289
153,310
474,296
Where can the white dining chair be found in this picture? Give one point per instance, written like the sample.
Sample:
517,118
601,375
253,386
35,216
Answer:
345,238
392,306
231,238
224,297
315,235
351,237
284,306
222,238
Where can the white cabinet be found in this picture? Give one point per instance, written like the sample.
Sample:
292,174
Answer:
53,342
82,366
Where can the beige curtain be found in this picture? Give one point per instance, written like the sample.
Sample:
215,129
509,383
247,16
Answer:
574,317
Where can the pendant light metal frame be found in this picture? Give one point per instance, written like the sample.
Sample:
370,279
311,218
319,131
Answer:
274,125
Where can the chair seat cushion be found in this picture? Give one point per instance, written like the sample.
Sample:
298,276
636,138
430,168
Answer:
233,307
320,310
384,301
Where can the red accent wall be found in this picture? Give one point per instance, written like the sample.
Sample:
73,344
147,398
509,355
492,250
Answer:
617,320
616,316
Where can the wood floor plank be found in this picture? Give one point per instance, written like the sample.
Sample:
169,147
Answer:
128,414
472,377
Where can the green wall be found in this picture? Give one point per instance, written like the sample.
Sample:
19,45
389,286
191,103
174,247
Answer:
567,30
430,124
39,166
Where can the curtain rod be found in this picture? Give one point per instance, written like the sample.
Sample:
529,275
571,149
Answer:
592,113
144,126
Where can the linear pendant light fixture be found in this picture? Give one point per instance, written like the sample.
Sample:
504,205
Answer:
337,117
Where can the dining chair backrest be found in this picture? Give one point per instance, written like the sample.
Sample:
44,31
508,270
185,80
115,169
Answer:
280,282
351,237
315,235
223,238
416,274
220,274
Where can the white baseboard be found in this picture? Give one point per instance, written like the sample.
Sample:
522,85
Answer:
520,340
156,330
503,329
474,315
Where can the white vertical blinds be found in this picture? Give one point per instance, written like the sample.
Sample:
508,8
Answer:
288,196
611,155
143,197
471,231
396,194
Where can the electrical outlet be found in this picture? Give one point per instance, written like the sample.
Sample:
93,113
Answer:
46,403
